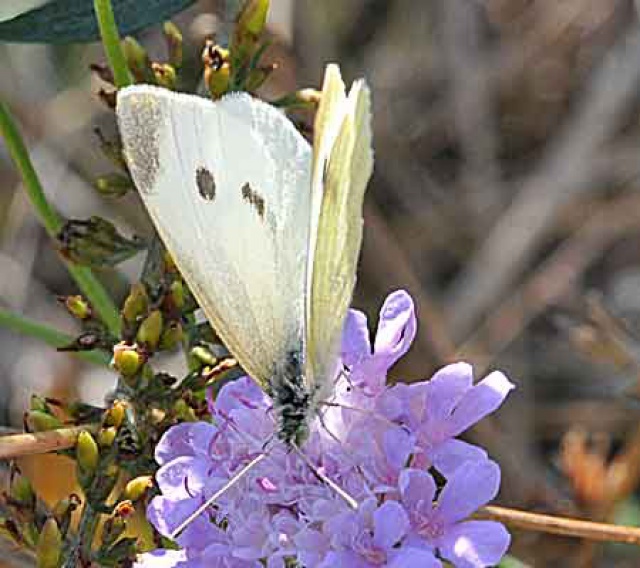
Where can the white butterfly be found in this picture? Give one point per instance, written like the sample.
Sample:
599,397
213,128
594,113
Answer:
265,230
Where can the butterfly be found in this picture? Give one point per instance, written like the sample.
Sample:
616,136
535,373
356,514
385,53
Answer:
265,229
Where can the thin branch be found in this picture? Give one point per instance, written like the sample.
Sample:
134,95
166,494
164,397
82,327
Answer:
111,42
21,324
565,526
18,445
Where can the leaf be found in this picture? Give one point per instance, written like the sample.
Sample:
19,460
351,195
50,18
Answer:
68,21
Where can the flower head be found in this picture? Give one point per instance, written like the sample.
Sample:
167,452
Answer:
375,442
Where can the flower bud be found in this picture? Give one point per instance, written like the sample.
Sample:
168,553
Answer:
252,18
37,402
87,452
302,99
150,330
137,59
203,356
165,75
173,37
21,490
39,421
217,71
126,359
114,415
136,304
49,549
171,336
113,185
77,306
63,511
106,436
136,488
176,293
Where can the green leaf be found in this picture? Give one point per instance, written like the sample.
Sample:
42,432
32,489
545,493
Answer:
67,21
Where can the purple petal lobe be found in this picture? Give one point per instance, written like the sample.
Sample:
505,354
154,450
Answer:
390,524
396,328
475,544
355,338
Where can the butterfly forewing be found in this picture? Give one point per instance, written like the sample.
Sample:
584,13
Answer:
227,186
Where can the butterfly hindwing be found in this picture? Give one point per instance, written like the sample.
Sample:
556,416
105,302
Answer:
343,161
227,186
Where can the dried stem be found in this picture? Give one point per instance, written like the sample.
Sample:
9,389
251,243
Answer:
18,445
561,525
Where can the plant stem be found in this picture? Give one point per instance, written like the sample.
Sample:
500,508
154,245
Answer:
26,326
111,42
89,285
561,525
16,445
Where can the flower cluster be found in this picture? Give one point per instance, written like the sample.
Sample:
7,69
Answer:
394,449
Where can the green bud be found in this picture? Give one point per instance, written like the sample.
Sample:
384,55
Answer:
173,37
114,415
37,402
302,99
176,292
63,511
137,59
113,185
217,70
49,549
126,359
165,75
137,488
87,452
39,421
21,490
136,304
150,330
203,355
78,307
252,18
171,336
106,436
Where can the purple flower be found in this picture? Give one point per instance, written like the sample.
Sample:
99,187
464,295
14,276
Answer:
442,408
374,442
374,536
441,526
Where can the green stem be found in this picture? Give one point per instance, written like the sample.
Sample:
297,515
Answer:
111,42
81,547
89,285
49,335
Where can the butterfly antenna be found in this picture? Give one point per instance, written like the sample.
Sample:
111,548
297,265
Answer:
331,484
228,485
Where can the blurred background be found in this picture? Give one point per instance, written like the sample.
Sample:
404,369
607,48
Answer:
505,199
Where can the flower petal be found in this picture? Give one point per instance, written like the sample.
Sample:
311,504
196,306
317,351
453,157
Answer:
396,328
355,338
416,486
390,524
475,544
470,487
445,389
407,556
450,455
479,401
186,439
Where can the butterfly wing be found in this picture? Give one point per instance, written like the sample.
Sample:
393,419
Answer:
343,163
227,186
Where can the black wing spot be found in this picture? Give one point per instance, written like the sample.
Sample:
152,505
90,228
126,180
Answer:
252,197
206,184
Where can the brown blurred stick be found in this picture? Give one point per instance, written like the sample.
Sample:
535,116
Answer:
564,526
18,445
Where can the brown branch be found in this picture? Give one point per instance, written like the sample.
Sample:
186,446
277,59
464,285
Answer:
561,525
18,445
